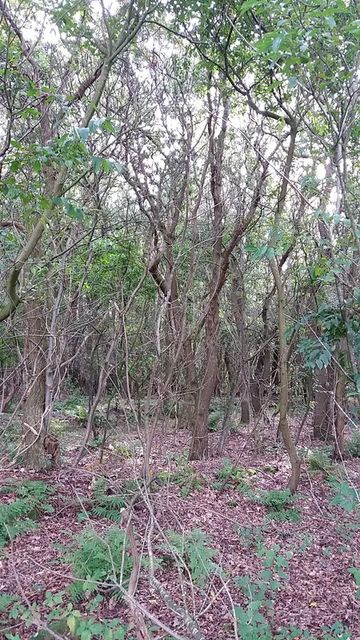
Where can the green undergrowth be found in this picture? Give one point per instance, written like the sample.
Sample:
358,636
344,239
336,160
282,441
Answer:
352,448
185,477
101,566
195,553
104,503
99,563
255,616
216,418
108,503
344,495
64,619
319,460
279,505
29,500
232,476
10,443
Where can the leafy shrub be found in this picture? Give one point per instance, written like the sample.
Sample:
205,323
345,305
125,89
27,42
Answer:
355,572
215,420
58,426
6,601
337,631
253,619
278,504
276,500
71,404
353,446
320,460
105,504
124,450
185,477
230,475
20,515
194,550
251,536
88,628
63,620
80,413
345,496
99,562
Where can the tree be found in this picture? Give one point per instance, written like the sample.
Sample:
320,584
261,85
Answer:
50,145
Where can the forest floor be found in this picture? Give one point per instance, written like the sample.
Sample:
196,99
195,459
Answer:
307,545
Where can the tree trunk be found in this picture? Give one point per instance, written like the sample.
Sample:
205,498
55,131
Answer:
340,403
199,447
284,382
34,403
199,444
238,304
187,404
323,412
256,400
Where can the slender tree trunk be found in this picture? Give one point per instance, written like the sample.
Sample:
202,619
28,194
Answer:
323,411
188,399
238,304
284,382
101,385
34,403
340,388
199,443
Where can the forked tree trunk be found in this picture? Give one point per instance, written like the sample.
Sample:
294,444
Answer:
220,266
199,444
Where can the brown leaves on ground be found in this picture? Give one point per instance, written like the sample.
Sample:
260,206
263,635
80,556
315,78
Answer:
324,543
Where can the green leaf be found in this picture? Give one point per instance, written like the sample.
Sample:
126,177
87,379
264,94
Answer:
15,165
72,210
108,126
249,4
330,21
345,496
276,43
97,163
270,253
83,132
265,43
72,623
36,165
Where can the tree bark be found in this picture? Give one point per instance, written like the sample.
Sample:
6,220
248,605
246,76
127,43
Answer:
283,426
284,383
34,403
323,411
340,403
199,447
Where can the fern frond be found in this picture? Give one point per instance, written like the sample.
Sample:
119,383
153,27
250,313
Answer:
99,560
22,526
196,553
6,601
